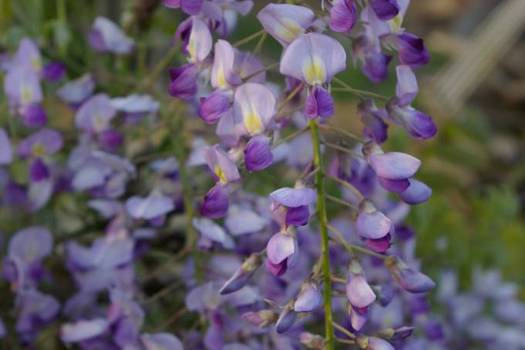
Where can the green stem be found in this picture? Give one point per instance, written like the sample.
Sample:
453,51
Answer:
323,227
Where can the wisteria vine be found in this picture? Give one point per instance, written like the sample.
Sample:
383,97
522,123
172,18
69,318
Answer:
258,273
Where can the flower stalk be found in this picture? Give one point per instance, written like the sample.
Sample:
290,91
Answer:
323,227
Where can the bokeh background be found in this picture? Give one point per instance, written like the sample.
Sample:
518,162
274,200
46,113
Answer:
474,88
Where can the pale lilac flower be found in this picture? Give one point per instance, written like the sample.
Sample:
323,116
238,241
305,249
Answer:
161,341
211,232
22,86
76,91
253,107
308,299
285,22
28,56
313,58
106,36
41,143
136,104
417,192
221,165
240,221
409,279
33,115
95,114
6,152
223,74
153,206
394,165
35,310
196,38
358,291
372,223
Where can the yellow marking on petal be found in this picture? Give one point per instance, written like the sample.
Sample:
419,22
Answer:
99,122
192,50
396,23
220,174
253,123
289,30
26,95
314,71
37,64
38,150
221,78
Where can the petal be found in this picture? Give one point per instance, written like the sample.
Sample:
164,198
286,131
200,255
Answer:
77,90
106,36
6,152
241,221
413,281
212,231
319,104
417,192
213,107
200,41
285,22
359,292
297,216
222,165
309,298
385,9
358,317
215,203
394,165
396,186
223,62
83,330
343,16
161,341
407,86
373,225
379,344
31,244
258,153
95,114
313,58
280,247
183,81
412,50
150,207
294,197
254,104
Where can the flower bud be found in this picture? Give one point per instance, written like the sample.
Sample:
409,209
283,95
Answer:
319,103
215,203
410,280
261,318
371,223
385,9
242,275
308,299
286,319
213,107
358,291
312,341
258,153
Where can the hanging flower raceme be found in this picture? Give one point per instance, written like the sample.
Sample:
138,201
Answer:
314,58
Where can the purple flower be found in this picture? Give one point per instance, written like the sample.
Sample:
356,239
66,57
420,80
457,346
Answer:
313,58
221,165
191,7
54,71
308,299
286,320
213,107
35,310
106,36
410,280
371,223
223,75
161,341
215,203
135,104
319,103
290,205
211,232
6,152
242,275
254,107
417,192
285,22
373,120
76,91
33,115
411,50
38,170
358,317
343,16
183,81
28,56
394,165
358,291
375,343
95,114
385,9
151,207
196,38
22,86
83,330
281,247
41,143
258,153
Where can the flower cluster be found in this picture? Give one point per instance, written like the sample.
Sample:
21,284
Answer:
263,267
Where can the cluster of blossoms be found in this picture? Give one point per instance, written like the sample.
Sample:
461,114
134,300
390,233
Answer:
262,272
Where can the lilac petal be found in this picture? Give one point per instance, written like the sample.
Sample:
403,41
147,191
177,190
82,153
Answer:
373,120
83,330
396,186
249,68
42,142
77,90
6,152
135,104
215,233
373,224
221,165
379,245
280,247
343,16
31,244
34,115
258,153
418,124
313,58
412,50
223,65
407,86
241,221
294,197
183,81
161,341
22,86
375,343
106,36
394,165
242,275
39,193
105,253
54,71
213,107
359,292
254,104
276,269
191,7
95,114
413,281
358,317
286,320
199,41
309,298
385,9
376,67
297,216
319,104
417,192
155,205
215,203
285,22
28,56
